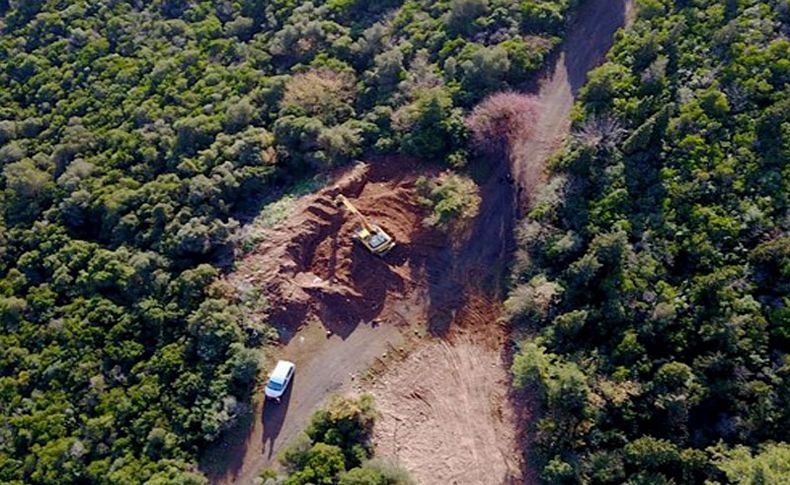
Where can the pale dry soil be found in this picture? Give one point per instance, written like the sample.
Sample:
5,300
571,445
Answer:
445,415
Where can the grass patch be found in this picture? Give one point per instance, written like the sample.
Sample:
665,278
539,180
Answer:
277,212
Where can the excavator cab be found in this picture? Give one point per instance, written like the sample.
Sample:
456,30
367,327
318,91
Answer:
372,236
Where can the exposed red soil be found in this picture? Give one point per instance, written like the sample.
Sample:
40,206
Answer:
315,276
310,269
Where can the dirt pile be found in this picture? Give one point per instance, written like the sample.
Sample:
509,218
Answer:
311,268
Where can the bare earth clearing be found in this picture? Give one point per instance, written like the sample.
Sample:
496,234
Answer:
445,410
445,413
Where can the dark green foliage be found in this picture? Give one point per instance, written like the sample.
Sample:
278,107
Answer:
464,14
454,201
338,439
540,16
319,465
345,423
654,265
430,128
131,136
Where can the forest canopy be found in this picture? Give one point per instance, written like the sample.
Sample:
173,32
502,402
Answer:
133,135
652,272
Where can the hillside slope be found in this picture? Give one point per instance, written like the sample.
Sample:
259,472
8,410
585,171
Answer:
137,137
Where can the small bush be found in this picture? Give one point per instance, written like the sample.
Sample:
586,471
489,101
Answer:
454,201
377,472
338,439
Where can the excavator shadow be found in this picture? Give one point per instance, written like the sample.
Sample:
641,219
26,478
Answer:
372,278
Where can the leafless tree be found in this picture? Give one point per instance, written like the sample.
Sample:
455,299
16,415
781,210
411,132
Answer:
600,131
501,121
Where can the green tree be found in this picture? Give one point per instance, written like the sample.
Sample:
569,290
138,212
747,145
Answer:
323,464
431,129
454,202
771,464
463,13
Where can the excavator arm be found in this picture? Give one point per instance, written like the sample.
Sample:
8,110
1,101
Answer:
348,205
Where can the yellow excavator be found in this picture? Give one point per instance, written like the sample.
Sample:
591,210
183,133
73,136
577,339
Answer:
372,236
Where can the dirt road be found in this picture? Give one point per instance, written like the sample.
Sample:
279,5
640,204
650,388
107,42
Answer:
316,280
587,42
444,411
325,366
311,273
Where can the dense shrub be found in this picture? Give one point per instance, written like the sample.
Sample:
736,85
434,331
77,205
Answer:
453,200
132,134
653,266
336,448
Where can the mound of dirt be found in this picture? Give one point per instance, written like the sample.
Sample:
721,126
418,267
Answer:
311,268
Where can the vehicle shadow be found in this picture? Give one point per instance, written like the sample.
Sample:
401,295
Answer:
273,417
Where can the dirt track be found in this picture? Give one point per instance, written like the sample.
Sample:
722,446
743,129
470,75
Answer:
585,47
316,279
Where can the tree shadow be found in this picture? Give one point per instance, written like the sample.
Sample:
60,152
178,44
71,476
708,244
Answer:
477,262
225,457
590,36
526,405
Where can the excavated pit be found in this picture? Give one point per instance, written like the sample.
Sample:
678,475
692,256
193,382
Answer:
311,268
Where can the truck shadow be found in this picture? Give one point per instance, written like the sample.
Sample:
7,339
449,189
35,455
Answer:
273,417
223,461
